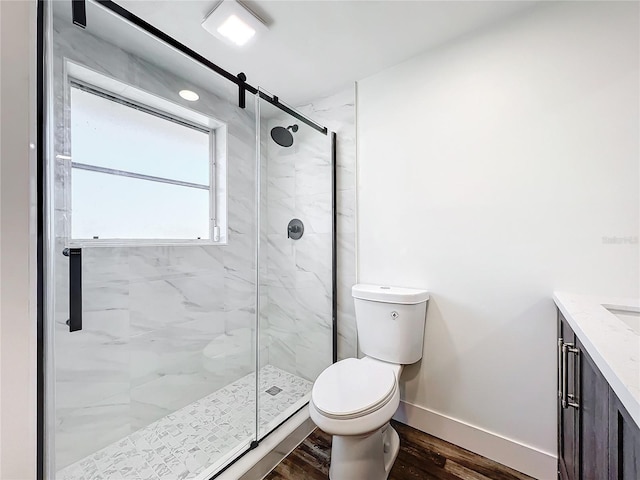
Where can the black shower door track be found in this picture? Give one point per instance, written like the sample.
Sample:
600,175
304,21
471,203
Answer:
79,18
239,79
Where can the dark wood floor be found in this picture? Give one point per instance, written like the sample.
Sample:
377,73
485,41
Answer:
421,457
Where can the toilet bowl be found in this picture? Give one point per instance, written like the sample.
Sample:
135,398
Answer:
354,399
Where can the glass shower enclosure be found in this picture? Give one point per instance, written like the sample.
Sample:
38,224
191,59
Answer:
189,258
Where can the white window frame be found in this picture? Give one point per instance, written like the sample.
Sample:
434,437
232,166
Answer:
132,97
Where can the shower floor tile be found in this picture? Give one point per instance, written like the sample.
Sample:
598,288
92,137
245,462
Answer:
192,440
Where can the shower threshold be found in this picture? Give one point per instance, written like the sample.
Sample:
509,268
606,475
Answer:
198,440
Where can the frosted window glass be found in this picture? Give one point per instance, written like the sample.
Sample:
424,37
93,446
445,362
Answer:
116,207
108,134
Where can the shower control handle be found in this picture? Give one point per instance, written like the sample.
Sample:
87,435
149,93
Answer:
295,229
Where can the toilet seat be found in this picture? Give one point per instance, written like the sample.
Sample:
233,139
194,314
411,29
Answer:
353,388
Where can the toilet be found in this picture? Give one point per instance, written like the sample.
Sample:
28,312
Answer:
354,399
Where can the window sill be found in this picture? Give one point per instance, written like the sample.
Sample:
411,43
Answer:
97,243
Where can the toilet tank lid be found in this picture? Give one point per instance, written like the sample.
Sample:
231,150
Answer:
387,294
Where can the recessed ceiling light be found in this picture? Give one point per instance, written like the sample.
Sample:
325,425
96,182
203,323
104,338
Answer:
189,95
233,23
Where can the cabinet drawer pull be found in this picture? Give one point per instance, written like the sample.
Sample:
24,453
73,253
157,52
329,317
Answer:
560,367
567,399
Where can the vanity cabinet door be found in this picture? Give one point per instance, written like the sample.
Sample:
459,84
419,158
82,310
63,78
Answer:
593,401
597,438
624,442
568,418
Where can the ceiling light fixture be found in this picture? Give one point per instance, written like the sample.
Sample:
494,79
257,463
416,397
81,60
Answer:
189,95
233,23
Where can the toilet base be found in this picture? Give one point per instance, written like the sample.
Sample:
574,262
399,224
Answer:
364,457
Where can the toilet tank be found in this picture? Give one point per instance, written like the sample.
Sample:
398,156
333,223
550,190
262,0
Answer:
390,322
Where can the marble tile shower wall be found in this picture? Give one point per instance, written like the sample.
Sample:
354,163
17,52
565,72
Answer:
299,272
163,325
338,113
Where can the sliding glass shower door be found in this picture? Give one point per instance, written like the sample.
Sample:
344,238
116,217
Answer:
189,259
152,267
296,246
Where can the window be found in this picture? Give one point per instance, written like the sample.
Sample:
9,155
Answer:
137,173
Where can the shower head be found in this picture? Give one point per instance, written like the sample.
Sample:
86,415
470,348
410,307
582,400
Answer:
282,136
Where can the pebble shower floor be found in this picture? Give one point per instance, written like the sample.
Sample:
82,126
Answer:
191,440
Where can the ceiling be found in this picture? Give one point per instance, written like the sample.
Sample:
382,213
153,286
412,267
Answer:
312,48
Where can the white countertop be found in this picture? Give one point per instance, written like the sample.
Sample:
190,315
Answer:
613,345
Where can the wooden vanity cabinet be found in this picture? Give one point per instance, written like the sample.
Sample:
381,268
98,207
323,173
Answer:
593,401
568,418
624,442
597,438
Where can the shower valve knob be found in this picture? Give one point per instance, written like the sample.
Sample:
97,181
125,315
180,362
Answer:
295,229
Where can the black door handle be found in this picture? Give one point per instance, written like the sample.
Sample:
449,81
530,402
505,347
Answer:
75,288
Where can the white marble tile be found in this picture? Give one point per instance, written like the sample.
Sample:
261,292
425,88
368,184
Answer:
315,212
241,317
82,431
309,159
104,265
280,162
314,305
280,211
281,263
156,305
314,261
160,262
313,346
182,444
347,335
230,355
93,363
239,260
313,175
346,163
172,351
346,215
100,329
155,399
209,326
282,309
338,113
280,184
282,351
241,215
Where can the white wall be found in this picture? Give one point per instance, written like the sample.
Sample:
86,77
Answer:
489,171
17,248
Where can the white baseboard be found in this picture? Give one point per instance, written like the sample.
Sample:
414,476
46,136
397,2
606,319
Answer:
524,458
